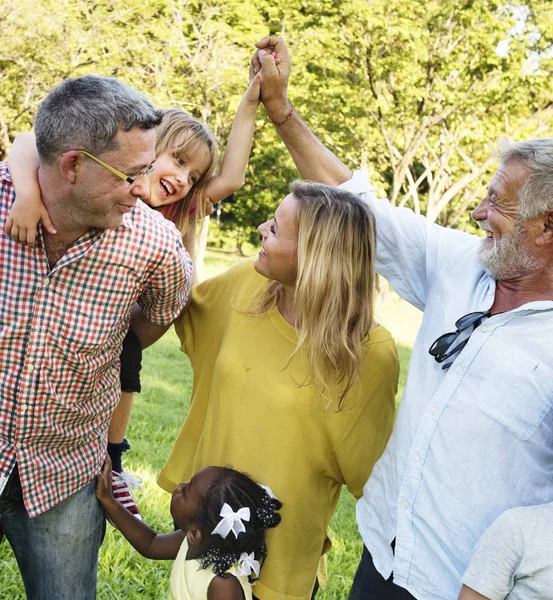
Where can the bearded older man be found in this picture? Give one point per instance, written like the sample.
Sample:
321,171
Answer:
474,432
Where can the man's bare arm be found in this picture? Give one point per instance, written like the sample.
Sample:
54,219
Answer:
313,160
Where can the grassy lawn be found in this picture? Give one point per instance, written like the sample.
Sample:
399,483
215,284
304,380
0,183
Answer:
157,415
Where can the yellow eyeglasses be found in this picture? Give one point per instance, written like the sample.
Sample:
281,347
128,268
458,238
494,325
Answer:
113,170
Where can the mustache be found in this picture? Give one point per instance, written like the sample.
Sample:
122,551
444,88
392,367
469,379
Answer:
484,225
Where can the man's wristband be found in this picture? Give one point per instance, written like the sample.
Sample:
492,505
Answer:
286,118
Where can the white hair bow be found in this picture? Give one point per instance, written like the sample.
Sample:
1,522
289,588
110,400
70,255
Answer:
248,564
231,521
268,490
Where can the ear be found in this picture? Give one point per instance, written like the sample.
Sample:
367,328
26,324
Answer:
546,237
69,165
194,536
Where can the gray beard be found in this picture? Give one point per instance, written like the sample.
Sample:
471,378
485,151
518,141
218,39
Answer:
508,257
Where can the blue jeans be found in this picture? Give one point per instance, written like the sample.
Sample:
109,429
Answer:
369,584
57,551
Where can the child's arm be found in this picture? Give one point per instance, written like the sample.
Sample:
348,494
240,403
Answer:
225,588
27,211
144,539
469,594
233,166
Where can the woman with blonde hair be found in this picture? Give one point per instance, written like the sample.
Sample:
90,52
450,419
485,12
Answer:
294,382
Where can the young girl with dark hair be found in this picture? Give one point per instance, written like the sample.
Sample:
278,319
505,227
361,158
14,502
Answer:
219,547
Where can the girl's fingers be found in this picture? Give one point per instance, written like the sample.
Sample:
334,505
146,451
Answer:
23,236
255,64
31,236
46,222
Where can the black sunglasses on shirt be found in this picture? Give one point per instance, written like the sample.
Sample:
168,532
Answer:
440,349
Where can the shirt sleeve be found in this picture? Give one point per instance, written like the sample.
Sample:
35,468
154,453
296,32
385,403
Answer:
495,559
411,252
370,418
210,304
168,289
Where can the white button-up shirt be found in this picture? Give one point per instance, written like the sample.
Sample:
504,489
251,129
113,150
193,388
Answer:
469,442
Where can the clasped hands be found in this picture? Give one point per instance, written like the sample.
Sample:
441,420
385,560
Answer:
273,60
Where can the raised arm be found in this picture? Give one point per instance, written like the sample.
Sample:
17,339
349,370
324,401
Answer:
313,160
27,211
235,159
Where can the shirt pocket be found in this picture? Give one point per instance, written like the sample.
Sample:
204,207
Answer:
517,392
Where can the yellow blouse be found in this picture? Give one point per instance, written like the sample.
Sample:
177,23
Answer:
250,410
190,582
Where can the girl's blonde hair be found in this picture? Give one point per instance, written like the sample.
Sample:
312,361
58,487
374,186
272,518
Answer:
333,299
179,133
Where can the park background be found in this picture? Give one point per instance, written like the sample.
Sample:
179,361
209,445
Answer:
417,91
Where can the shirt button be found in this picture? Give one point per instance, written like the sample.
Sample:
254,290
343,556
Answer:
19,445
30,368
458,369
483,329
406,505
490,292
433,411
24,407
46,282
416,458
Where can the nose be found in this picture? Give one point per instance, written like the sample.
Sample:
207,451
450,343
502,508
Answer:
263,228
480,213
141,188
182,175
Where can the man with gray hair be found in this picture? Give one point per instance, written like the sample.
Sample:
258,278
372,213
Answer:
474,432
66,307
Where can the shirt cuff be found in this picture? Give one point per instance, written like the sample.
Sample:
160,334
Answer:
359,184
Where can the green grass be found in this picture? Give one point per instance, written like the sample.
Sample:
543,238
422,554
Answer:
157,416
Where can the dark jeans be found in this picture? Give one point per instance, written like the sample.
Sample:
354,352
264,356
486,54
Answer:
370,585
57,551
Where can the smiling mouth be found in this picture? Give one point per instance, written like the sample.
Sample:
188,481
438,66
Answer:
167,187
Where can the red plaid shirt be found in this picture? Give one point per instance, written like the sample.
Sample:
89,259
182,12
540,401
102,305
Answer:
61,332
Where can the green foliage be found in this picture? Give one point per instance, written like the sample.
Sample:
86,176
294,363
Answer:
418,90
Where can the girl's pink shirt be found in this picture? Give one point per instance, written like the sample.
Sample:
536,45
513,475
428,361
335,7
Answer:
169,211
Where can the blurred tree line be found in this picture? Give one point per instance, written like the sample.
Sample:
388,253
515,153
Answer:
417,91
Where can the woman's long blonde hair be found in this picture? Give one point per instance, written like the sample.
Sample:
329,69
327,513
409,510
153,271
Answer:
179,133
333,299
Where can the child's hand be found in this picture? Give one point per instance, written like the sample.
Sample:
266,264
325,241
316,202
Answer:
103,483
253,94
23,220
